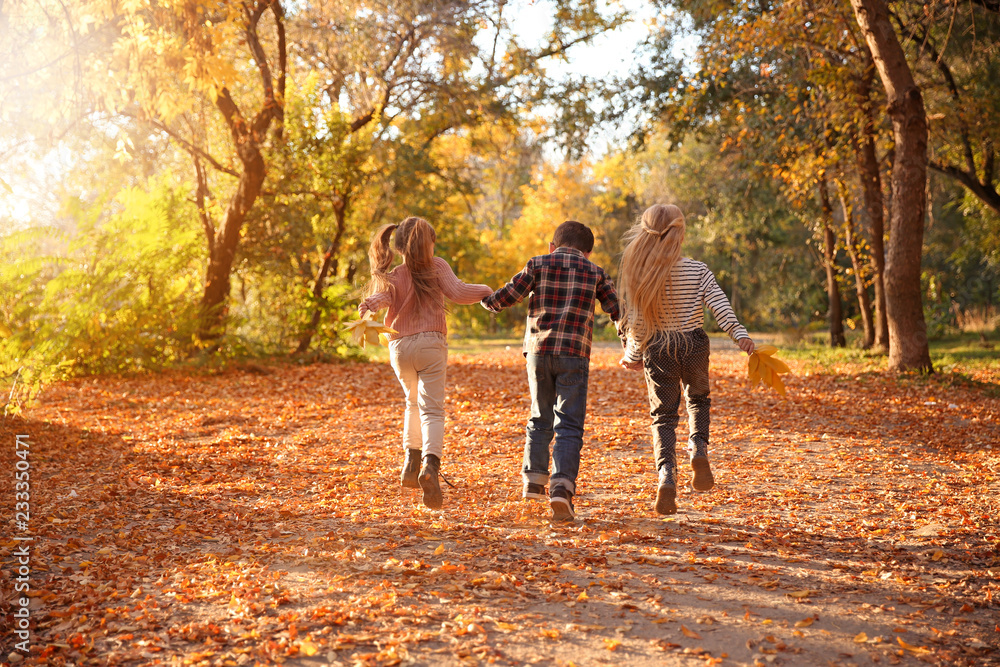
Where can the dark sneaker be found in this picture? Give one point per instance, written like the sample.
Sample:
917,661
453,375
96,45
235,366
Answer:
411,468
703,478
561,502
534,492
428,480
666,499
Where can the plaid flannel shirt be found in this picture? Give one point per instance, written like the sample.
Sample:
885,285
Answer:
563,286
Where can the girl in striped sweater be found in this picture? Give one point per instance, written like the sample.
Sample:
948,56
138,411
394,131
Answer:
414,293
662,299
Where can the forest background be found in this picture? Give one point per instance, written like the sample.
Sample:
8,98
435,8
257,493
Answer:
194,182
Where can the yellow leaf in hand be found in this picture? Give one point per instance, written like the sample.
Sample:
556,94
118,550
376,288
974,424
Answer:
777,384
776,365
366,330
762,366
766,376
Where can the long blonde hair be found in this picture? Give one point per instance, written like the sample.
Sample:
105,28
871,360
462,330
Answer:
414,242
652,250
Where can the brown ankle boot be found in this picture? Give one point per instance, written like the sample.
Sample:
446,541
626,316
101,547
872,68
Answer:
411,468
428,481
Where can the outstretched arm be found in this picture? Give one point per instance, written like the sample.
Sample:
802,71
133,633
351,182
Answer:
455,289
718,303
513,292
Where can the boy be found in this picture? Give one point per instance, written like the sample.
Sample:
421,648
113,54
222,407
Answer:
561,288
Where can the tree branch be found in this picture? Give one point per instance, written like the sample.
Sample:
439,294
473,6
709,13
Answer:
390,83
201,194
185,144
985,191
279,17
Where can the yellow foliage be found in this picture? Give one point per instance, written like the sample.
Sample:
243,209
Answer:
558,194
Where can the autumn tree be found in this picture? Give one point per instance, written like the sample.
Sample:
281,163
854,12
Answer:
954,60
774,78
908,347
780,85
180,69
387,81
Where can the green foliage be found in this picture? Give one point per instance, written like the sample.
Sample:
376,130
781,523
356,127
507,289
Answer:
737,223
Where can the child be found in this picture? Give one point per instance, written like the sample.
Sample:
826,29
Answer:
418,352
663,296
563,286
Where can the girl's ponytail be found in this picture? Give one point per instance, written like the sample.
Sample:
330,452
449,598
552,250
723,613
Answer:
380,258
415,243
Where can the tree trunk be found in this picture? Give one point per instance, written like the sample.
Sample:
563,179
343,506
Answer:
908,347
835,309
247,136
222,251
871,188
328,267
853,246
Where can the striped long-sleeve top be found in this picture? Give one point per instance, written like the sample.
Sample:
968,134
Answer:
409,321
692,287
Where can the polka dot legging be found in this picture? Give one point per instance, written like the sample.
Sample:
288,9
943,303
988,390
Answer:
683,367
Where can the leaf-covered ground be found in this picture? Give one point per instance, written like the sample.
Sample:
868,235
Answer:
255,517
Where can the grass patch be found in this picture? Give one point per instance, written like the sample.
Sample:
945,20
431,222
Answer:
456,345
959,360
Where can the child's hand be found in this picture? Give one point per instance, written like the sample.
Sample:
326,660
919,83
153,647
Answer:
631,365
746,345
362,309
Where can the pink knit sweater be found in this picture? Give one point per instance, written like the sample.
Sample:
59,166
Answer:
432,319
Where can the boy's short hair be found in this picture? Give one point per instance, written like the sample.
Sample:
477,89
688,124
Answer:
574,234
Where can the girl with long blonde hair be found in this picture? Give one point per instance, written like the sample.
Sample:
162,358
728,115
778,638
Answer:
662,295
414,293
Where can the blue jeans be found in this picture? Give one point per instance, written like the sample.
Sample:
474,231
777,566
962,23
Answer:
558,387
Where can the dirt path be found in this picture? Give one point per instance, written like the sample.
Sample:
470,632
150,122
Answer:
255,517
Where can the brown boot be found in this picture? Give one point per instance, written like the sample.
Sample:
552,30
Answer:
703,480
428,480
411,468
666,499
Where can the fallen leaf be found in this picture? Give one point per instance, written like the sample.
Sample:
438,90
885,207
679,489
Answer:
911,647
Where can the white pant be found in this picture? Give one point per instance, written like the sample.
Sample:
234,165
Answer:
421,362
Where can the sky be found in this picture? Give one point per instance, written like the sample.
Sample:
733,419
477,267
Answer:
608,54
611,54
